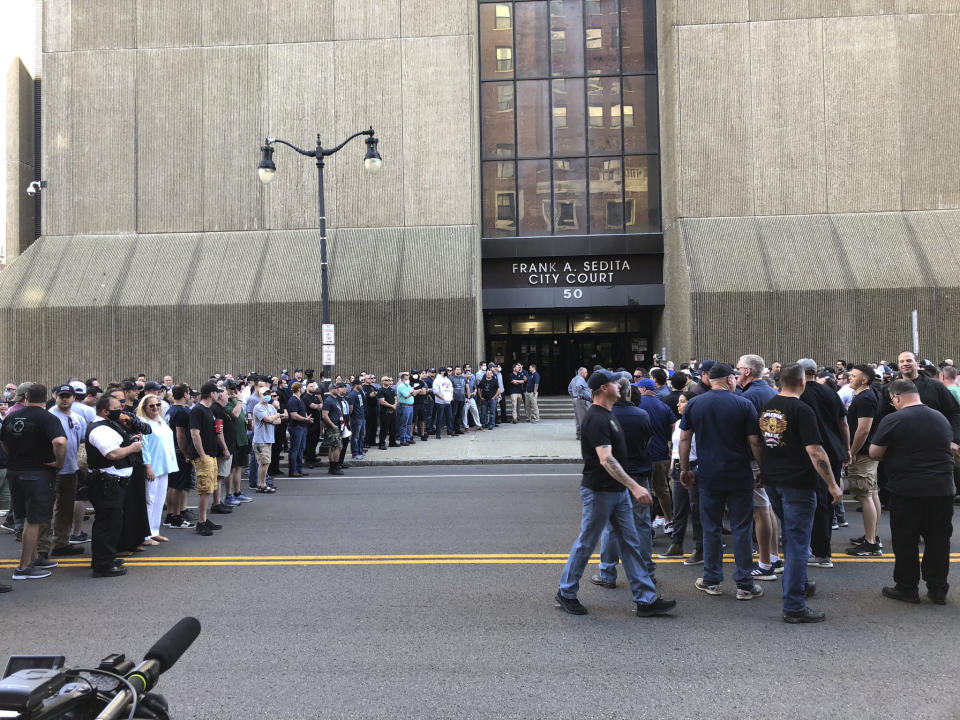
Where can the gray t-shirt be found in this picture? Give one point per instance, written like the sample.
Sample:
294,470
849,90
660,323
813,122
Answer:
75,428
263,431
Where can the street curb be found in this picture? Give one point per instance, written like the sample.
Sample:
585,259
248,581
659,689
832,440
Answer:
469,461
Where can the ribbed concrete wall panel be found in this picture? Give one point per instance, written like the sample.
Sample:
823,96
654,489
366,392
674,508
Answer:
436,17
438,133
724,254
234,301
300,20
933,238
787,82
57,27
372,97
927,6
57,141
99,25
168,23
170,187
862,234
233,127
930,110
366,19
841,8
300,96
801,253
234,22
716,173
104,134
785,9
696,12
862,100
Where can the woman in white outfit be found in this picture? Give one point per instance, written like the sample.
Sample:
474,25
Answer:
159,455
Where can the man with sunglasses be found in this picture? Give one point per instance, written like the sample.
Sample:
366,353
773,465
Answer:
55,540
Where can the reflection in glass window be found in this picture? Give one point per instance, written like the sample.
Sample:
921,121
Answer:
559,117
606,195
504,59
569,197
532,40
594,39
502,19
504,170
504,98
596,116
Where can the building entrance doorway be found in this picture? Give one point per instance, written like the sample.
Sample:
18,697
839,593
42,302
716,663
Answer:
559,343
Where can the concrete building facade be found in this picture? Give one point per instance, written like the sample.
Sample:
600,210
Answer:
712,178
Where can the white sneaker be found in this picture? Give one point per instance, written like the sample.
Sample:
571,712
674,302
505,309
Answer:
708,589
658,522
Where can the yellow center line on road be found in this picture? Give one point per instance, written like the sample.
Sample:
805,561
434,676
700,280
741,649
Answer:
437,559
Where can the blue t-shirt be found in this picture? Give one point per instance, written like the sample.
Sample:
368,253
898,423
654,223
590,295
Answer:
638,431
721,422
758,392
296,405
662,420
533,381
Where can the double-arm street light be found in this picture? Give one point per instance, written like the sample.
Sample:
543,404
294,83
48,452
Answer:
266,170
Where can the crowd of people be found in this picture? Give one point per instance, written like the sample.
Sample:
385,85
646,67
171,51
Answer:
768,451
135,449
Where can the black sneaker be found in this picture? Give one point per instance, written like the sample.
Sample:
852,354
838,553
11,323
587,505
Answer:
896,593
190,515
866,549
178,522
221,509
657,607
67,550
203,530
44,562
804,616
597,580
696,558
213,526
937,597
115,571
758,573
674,551
5,588
570,605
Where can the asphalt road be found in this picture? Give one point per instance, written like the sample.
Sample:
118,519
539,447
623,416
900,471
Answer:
305,614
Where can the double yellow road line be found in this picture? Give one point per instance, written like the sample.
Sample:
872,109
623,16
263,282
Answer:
436,559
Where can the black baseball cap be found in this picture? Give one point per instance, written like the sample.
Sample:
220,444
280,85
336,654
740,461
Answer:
231,384
721,370
153,385
63,390
601,377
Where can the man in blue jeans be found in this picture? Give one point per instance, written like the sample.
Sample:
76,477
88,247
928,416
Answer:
489,390
791,444
604,492
638,429
404,409
358,424
727,436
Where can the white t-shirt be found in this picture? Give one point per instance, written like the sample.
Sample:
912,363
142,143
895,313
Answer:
105,439
846,394
676,444
85,411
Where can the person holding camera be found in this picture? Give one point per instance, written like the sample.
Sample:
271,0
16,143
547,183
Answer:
108,458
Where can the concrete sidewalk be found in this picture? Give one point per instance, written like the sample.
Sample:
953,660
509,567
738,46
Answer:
548,441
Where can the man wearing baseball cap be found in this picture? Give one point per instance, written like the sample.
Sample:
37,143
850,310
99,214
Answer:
728,435
604,490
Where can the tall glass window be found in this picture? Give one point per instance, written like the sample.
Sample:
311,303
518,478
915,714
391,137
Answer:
569,117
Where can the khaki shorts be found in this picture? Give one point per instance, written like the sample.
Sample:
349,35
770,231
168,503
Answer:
263,453
660,478
334,441
862,476
206,474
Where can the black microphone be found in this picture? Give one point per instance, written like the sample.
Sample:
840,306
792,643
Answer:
164,654
160,658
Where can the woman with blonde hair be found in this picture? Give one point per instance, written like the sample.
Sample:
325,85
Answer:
160,458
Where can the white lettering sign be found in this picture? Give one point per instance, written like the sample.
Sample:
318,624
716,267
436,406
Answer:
585,273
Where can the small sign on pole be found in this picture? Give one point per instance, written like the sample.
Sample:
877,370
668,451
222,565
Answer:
329,336
329,355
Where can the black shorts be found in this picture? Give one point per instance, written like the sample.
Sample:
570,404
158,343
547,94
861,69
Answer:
419,414
32,494
241,458
182,479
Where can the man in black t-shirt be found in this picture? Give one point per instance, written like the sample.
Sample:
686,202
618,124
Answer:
387,402
419,389
332,421
835,433
299,423
604,490
791,443
226,449
862,470
36,447
179,482
916,444
203,452
314,402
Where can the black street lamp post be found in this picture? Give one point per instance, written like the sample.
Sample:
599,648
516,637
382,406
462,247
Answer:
266,170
